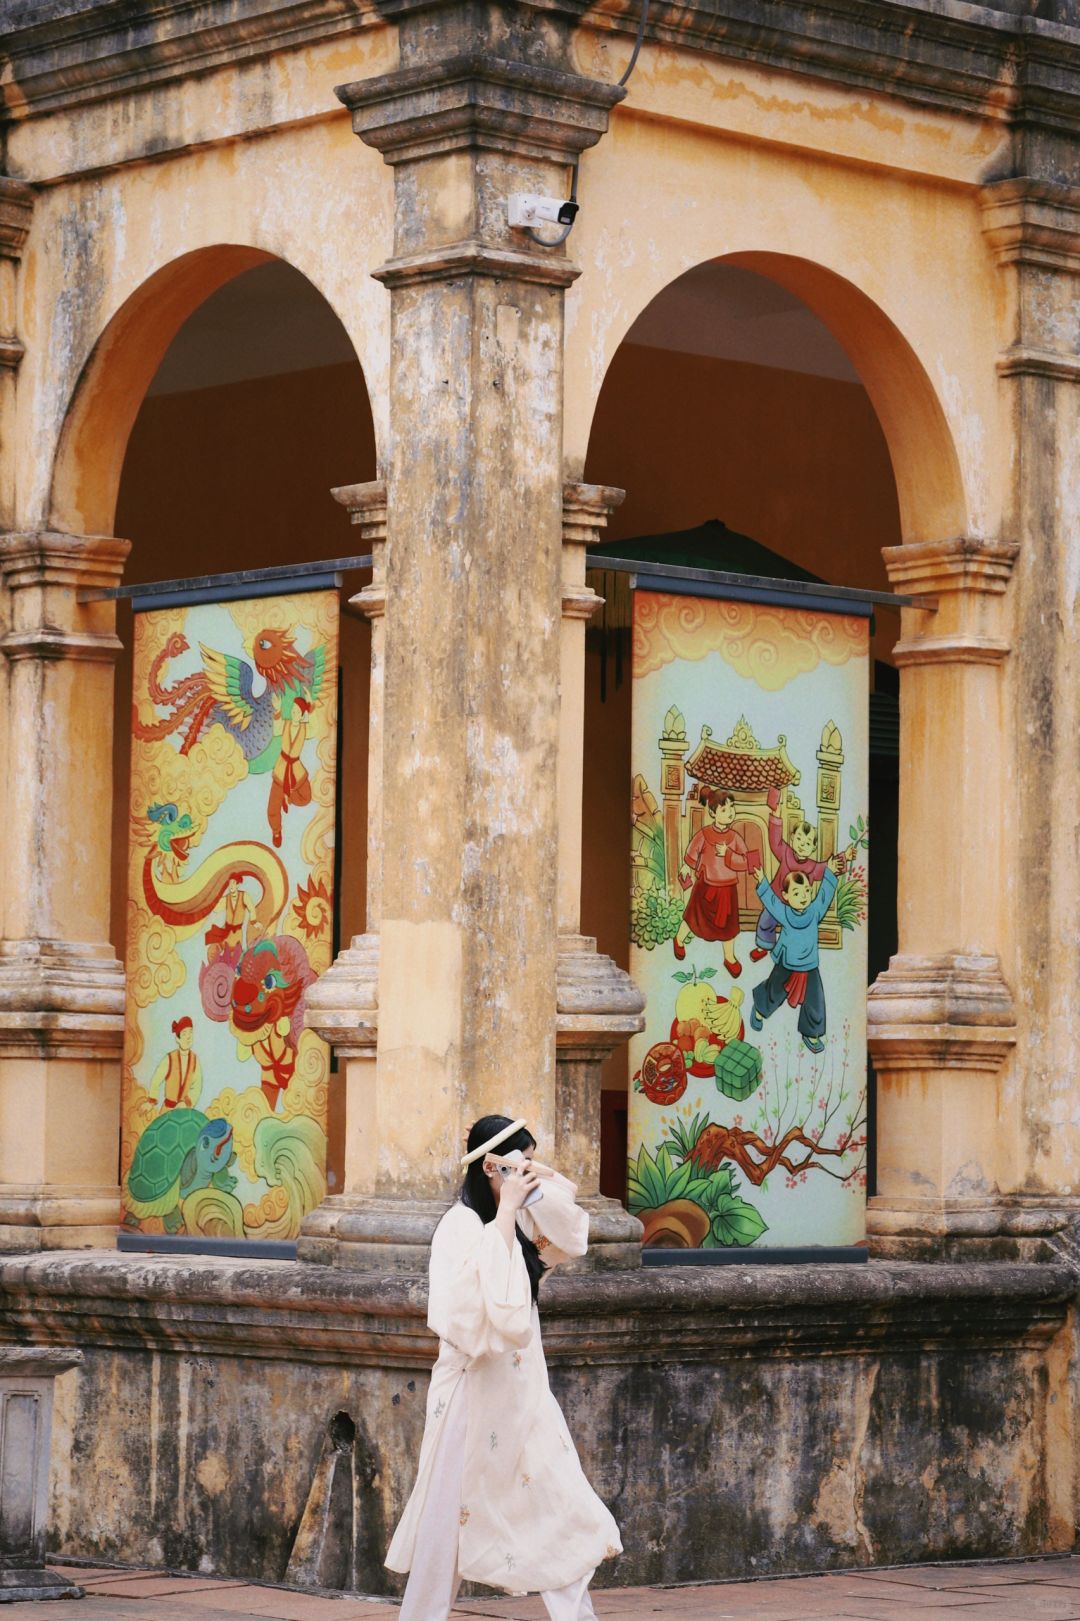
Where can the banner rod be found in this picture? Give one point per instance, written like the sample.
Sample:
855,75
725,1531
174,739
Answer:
757,582
210,582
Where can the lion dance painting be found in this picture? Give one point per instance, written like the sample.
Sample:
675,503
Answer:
230,914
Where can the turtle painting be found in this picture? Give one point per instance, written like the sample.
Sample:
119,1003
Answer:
178,1152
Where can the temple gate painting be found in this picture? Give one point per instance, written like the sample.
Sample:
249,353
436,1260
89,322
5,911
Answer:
748,923
230,915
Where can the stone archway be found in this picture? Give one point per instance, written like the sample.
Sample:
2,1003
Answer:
950,661
61,980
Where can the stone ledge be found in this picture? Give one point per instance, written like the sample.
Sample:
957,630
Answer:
285,1311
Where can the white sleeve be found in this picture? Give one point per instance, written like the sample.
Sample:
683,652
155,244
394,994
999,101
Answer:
557,1226
479,1298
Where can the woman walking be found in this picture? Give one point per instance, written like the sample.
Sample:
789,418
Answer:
500,1497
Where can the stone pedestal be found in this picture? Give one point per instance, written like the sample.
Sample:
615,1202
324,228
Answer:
26,1402
61,984
599,1007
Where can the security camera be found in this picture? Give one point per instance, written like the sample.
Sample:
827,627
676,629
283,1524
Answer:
526,208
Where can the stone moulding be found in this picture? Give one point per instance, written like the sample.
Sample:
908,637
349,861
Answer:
1021,361
586,510
966,565
343,1006
16,209
12,351
314,1314
947,1012
963,564
48,557
60,999
473,258
477,101
1034,223
952,56
597,1003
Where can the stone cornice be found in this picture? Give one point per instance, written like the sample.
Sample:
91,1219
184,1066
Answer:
85,52
323,1315
1029,222
959,57
929,568
477,259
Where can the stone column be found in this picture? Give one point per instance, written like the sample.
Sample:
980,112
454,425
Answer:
16,207
1032,226
61,985
941,1017
343,1007
469,821
598,1005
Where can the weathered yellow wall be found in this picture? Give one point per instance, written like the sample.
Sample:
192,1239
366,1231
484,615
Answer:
882,198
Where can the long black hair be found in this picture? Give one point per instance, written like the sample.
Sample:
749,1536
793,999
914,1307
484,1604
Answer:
476,1189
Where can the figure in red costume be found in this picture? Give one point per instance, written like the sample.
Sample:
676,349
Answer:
715,856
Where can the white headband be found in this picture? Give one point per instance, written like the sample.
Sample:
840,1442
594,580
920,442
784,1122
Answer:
492,1142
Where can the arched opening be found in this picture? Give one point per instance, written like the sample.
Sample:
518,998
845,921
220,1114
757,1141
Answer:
219,409
764,417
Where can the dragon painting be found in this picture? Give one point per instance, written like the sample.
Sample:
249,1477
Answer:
270,726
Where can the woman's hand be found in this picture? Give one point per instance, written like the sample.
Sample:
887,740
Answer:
517,1186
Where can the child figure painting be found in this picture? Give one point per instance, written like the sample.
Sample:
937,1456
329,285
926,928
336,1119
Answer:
716,855
798,856
796,974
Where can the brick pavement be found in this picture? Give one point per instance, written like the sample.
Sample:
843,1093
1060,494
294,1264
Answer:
1034,1590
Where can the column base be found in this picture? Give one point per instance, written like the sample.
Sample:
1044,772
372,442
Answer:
358,1233
1006,1229
47,1216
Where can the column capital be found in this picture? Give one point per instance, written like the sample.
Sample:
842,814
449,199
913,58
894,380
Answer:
366,506
476,102
968,575
16,208
43,571
1033,223
586,510
966,563
48,557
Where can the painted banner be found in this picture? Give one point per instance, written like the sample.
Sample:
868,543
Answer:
230,915
748,923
